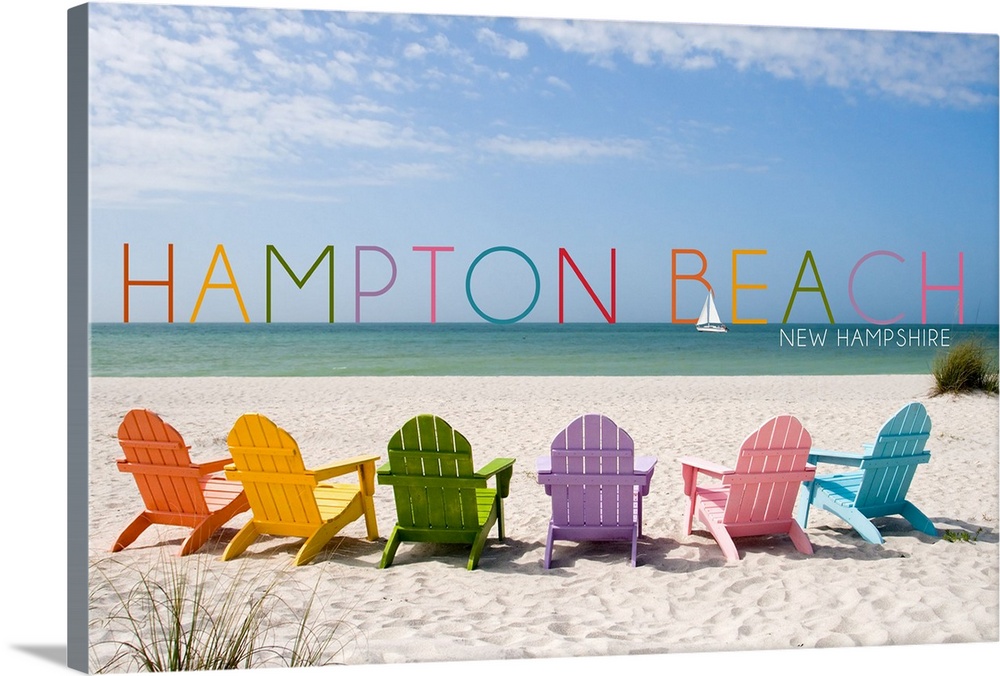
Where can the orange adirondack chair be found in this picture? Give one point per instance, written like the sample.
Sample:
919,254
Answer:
176,491
286,498
757,497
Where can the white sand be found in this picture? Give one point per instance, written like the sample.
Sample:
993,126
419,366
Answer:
682,597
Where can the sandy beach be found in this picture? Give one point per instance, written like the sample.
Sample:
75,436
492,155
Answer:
681,597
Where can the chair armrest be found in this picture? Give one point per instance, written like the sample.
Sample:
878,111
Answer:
643,464
214,466
363,464
817,456
691,466
503,468
543,464
343,466
707,466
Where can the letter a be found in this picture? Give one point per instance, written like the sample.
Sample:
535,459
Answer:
220,252
808,258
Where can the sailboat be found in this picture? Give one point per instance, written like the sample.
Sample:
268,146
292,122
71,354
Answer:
709,319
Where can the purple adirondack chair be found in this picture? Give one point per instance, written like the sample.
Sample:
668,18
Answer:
596,484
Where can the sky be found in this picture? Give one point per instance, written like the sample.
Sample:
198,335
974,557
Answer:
680,149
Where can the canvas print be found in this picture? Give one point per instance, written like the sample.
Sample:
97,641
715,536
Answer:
412,338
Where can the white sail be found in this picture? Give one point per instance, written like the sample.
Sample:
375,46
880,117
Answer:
713,313
703,317
709,319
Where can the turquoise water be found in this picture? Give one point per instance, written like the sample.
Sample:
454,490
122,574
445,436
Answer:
519,349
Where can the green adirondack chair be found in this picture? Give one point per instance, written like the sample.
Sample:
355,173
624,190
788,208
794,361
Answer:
439,497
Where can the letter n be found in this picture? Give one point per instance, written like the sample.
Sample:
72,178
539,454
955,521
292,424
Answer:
273,251
564,256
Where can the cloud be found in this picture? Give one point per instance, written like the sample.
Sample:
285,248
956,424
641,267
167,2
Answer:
563,149
557,82
180,106
414,51
512,49
924,68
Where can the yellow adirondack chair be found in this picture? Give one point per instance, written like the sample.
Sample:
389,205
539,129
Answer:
287,499
175,491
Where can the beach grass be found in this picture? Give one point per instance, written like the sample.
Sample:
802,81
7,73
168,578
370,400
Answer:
967,367
177,617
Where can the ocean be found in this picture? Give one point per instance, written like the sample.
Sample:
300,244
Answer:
484,349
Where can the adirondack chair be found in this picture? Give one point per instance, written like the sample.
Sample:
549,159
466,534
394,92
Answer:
879,487
175,491
757,497
596,484
438,495
287,499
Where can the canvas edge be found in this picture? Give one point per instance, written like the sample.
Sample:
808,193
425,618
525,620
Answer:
78,303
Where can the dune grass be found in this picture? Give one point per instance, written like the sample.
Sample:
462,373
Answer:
968,366
180,617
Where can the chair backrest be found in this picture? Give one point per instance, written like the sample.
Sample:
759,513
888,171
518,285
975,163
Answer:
440,491
270,467
769,469
158,458
898,449
591,456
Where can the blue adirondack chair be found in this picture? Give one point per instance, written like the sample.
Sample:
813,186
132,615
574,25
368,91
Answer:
879,487
596,484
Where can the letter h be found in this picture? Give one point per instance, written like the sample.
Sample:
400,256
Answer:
168,282
925,287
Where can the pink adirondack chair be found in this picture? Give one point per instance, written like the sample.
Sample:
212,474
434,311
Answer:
758,496
596,484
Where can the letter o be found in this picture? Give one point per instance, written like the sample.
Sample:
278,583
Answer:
468,285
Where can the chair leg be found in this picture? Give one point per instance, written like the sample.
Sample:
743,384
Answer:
689,515
799,538
200,534
371,524
315,542
852,515
635,541
638,510
240,541
805,501
917,518
861,523
390,548
548,547
480,541
499,507
724,539
131,532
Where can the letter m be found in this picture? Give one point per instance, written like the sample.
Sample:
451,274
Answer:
273,251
